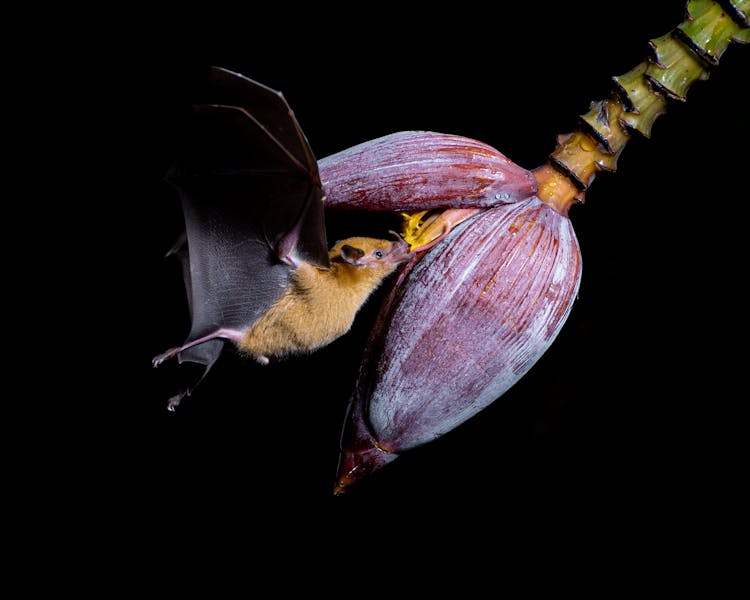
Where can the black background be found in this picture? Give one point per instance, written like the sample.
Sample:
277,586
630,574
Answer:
628,423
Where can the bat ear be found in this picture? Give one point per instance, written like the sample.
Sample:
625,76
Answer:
351,254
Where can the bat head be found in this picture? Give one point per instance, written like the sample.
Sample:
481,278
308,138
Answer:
374,253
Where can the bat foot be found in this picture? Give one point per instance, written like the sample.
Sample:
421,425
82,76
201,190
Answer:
263,360
175,400
157,360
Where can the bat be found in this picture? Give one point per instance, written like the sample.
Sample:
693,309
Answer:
254,254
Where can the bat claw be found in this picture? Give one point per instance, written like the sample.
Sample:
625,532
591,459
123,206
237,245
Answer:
157,360
175,400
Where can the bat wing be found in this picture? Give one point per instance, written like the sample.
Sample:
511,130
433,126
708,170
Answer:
253,207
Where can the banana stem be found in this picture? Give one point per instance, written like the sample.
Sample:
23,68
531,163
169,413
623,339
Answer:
681,57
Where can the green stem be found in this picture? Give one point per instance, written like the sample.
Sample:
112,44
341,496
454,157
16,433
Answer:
680,58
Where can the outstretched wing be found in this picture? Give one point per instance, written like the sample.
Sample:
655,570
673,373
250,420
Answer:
253,206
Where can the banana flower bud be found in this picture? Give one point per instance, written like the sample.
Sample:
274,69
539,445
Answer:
463,322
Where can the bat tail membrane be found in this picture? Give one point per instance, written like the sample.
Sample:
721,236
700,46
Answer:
203,355
203,352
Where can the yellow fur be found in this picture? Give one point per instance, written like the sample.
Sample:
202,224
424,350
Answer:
319,305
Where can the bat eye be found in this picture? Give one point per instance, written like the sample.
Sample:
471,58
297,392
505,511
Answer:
378,254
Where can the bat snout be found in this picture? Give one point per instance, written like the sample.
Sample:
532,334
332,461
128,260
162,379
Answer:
399,250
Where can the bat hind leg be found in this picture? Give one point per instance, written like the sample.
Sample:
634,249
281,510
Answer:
227,334
171,353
